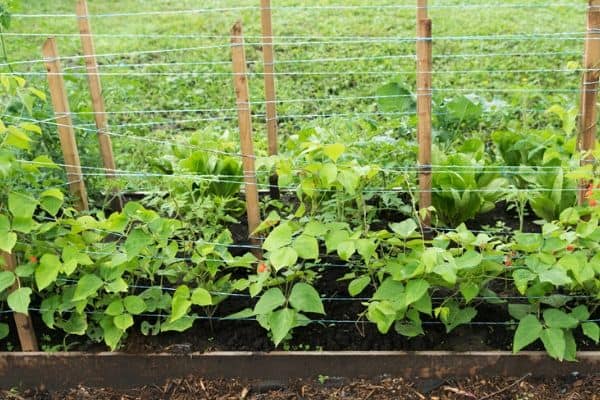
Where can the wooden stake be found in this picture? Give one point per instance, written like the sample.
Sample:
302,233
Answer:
422,12
270,94
424,66
240,81
22,321
589,90
64,124
87,43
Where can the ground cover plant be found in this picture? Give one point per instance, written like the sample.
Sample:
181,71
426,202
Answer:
177,256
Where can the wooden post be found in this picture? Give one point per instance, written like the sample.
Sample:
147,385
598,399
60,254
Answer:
422,12
64,124
270,96
240,81
424,67
22,321
589,90
95,86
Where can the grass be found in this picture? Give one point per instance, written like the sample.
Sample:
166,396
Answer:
342,78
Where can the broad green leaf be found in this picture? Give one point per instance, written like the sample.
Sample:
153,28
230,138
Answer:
522,277
447,272
123,321
283,257
180,303
470,259
21,205
279,237
112,334
346,249
244,314
307,247
389,290
334,238
19,300
281,323
76,324
136,242
383,314
527,332
315,228
580,312
334,151
51,200
393,97
366,248
201,297
555,276
328,174
305,298
270,300
87,287
115,308
554,318
357,285
469,290
180,325
47,272
7,278
134,305
7,241
591,330
415,289
554,342
405,229
520,311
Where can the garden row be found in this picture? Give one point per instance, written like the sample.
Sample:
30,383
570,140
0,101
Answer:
169,260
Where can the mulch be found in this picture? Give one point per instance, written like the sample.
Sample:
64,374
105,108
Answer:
572,387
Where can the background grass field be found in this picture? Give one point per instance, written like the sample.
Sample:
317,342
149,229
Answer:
322,91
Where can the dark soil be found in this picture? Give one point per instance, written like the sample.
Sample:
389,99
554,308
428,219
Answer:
521,388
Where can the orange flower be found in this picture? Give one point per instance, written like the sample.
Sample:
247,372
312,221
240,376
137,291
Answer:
570,247
508,261
262,267
33,259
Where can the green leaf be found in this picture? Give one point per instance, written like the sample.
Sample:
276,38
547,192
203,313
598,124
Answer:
591,330
115,308
394,97
47,272
328,174
134,305
7,241
554,342
137,241
180,303
469,290
52,200
357,285
334,151
404,229
305,298
283,257
520,311
4,330
415,289
281,323
580,312
180,325
334,238
112,334
470,259
21,205
201,297
19,300
123,321
76,324
244,314
383,314
366,248
87,286
7,278
527,332
279,237
270,300
554,318
315,229
522,277
346,249
555,276
307,247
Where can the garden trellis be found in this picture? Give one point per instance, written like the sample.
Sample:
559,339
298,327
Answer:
249,110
